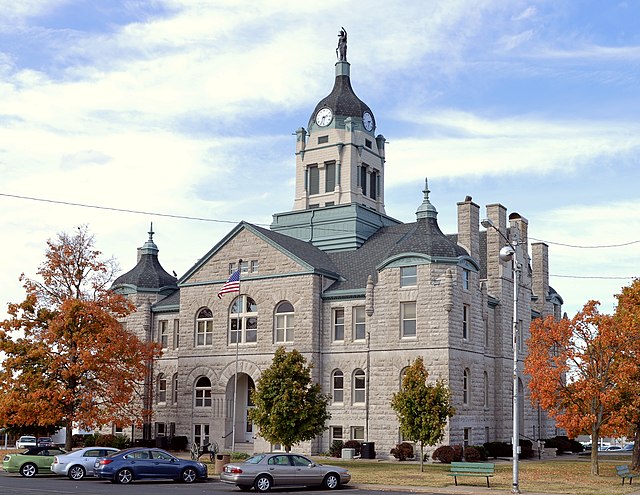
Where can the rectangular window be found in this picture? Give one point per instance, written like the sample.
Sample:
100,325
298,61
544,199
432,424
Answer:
162,390
118,430
359,323
163,334
359,387
244,267
465,321
174,389
520,337
363,180
323,139
232,268
409,276
336,433
204,333
176,334
338,324
329,177
466,275
367,143
314,180
255,266
338,387
284,328
201,434
486,435
160,429
373,185
357,433
408,316
466,437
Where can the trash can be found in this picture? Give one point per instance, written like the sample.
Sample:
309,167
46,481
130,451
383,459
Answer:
368,450
348,453
221,460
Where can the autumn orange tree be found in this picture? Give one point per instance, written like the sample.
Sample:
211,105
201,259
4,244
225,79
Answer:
575,367
627,318
68,361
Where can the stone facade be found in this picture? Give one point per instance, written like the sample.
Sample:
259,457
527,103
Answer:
360,304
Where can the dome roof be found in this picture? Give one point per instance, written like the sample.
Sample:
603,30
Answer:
342,100
148,273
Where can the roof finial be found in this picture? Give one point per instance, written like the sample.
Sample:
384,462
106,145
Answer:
151,232
426,209
149,247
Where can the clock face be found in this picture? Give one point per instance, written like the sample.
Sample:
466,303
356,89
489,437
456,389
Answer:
367,121
324,117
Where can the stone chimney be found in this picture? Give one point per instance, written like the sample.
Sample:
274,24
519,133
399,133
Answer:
468,227
540,276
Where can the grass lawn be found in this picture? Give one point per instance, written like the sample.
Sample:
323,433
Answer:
563,475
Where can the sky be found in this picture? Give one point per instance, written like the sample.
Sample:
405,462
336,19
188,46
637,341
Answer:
182,113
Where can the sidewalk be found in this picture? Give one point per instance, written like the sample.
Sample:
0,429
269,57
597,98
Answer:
452,490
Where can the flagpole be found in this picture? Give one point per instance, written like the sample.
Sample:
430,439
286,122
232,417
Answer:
235,384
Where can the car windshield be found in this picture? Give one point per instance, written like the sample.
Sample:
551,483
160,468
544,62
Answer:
27,439
255,459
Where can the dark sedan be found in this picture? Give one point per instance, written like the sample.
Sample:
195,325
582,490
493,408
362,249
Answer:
144,463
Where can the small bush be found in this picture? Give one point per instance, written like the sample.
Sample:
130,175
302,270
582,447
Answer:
120,441
443,454
474,453
105,440
90,440
498,449
402,451
457,453
77,440
335,450
526,449
562,444
239,456
179,442
353,444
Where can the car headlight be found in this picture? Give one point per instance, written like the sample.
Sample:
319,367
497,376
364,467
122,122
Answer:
6,458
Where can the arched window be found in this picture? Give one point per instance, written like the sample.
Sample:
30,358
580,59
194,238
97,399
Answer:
359,381
243,321
174,388
204,327
337,386
284,322
203,392
161,392
465,386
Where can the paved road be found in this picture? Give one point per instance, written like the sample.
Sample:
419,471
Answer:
14,484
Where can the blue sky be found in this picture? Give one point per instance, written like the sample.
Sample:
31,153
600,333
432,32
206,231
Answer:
188,108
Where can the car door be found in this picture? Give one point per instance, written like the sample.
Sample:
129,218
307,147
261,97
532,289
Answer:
281,470
305,472
89,458
165,465
140,463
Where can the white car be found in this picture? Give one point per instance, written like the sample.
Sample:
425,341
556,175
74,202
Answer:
26,442
76,465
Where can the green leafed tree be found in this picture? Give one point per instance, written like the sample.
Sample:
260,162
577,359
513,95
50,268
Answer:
289,407
422,408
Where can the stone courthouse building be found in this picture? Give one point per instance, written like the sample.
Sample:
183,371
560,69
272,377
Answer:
357,292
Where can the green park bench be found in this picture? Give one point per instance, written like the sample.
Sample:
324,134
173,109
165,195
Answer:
625,472
481,469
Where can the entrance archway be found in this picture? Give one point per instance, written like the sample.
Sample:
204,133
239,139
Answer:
243,426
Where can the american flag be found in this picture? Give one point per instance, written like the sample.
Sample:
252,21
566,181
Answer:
231,285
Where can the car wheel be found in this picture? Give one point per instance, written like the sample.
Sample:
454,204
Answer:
331,481
28,470
245,488
76,473
124,476
189,475
263,483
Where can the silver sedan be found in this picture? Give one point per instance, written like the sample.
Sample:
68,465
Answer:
78,464
265,471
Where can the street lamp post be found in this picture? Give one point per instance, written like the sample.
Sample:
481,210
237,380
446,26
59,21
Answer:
508,253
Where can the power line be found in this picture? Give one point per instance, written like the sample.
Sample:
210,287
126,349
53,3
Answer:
587,247
122,210
593,277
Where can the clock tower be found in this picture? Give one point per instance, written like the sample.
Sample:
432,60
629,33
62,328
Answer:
339,190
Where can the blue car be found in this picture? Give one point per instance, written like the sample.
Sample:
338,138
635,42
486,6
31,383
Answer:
144,463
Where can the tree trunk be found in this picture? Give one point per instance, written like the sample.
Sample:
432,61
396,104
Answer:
595,439
421,457
68,437
635,459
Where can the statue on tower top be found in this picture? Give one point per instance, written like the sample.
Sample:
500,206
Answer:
341,51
